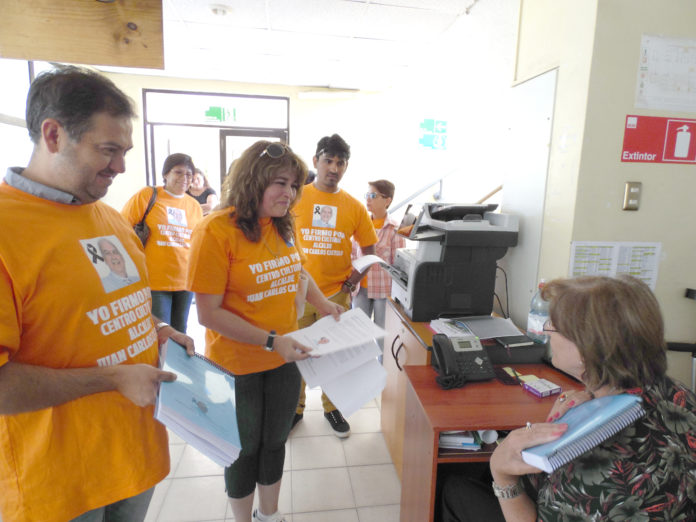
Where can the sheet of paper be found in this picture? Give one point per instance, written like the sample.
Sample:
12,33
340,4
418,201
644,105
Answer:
363,263
328,335
318,370
355,388
487,326
666,74
611,258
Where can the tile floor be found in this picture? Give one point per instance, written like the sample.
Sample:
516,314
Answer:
326,479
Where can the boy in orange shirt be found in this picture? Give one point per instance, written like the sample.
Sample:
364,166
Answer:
78,355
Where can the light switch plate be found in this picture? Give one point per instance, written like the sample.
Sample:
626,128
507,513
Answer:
632,195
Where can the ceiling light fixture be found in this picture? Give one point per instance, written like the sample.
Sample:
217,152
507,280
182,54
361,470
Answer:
219,9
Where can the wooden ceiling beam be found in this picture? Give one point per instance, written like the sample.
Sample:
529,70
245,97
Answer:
126,33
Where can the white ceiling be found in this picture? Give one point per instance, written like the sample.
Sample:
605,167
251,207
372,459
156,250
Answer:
353,44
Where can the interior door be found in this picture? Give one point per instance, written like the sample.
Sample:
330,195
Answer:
235,141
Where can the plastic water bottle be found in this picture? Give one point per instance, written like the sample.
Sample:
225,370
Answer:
538,315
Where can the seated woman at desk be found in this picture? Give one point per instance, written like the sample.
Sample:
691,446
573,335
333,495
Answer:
609,334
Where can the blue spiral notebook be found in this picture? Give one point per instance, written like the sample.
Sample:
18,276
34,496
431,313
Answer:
199,406
589,424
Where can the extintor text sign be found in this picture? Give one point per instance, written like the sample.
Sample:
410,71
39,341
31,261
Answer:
652,139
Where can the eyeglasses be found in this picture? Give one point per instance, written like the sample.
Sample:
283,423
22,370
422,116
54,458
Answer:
374,195
548,326
275,150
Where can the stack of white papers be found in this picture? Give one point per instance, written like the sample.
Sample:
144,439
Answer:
450,327
482,326
199,406
466,440
328,335
348,370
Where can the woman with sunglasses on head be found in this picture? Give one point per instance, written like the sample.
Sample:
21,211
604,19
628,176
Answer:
609,334
170,220
245,269
371,295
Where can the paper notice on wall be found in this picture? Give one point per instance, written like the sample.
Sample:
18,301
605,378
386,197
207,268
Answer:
666,74
612,258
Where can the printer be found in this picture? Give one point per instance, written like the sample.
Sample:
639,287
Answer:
452,270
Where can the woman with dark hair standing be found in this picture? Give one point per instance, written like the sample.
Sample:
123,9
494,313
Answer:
171,221
201,191
245,269
609,334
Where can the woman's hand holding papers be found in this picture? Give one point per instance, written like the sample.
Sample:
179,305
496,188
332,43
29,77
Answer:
506,460
289,349
566,401
330,308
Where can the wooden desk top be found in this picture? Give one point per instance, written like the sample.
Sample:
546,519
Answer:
488,404
422,331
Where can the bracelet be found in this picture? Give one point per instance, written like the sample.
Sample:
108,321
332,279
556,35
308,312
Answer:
507,492
160,325
351,286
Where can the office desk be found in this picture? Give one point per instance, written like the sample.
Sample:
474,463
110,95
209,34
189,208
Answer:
477,406
406,343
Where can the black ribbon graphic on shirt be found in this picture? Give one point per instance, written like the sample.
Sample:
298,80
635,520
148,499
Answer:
95,255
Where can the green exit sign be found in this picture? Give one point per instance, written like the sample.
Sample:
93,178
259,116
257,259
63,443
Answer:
433,134
221,114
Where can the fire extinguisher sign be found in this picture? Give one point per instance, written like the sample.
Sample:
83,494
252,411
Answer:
651,139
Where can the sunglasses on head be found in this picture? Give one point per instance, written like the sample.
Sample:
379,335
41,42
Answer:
275,150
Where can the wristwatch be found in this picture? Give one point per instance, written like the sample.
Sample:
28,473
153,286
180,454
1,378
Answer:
160,325
511,491
269,342
351,286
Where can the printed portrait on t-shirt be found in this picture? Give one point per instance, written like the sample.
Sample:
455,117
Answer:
111,261
324,216
177,216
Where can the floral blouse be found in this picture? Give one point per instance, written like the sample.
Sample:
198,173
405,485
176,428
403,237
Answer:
646,472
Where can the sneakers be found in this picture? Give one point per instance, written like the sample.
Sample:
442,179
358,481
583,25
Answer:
338,423
275,517
297,418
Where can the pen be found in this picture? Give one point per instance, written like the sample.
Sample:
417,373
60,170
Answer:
517,376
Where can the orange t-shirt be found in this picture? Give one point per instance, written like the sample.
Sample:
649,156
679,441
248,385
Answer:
62,309
171,222
258,282
325,224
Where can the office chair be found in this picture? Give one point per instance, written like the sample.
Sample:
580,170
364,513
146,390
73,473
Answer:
687,347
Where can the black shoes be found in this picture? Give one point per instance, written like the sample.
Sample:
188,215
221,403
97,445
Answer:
339,425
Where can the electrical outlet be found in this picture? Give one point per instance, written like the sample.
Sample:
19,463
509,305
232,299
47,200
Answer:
632,195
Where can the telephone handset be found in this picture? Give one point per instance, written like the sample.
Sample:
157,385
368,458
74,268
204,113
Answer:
460,359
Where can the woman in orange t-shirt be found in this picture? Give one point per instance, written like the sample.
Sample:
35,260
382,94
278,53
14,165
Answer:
171,221
245,269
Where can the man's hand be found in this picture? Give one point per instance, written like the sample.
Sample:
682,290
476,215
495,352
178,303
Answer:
289,349
139,382
168,332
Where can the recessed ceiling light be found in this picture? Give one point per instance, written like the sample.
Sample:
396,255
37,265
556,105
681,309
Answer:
219,9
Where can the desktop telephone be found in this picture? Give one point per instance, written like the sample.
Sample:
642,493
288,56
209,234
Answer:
460,359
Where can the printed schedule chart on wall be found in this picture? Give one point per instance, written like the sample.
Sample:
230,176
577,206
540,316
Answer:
612,258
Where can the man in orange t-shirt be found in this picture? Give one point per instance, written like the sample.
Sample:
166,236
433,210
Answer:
78,355
326,219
